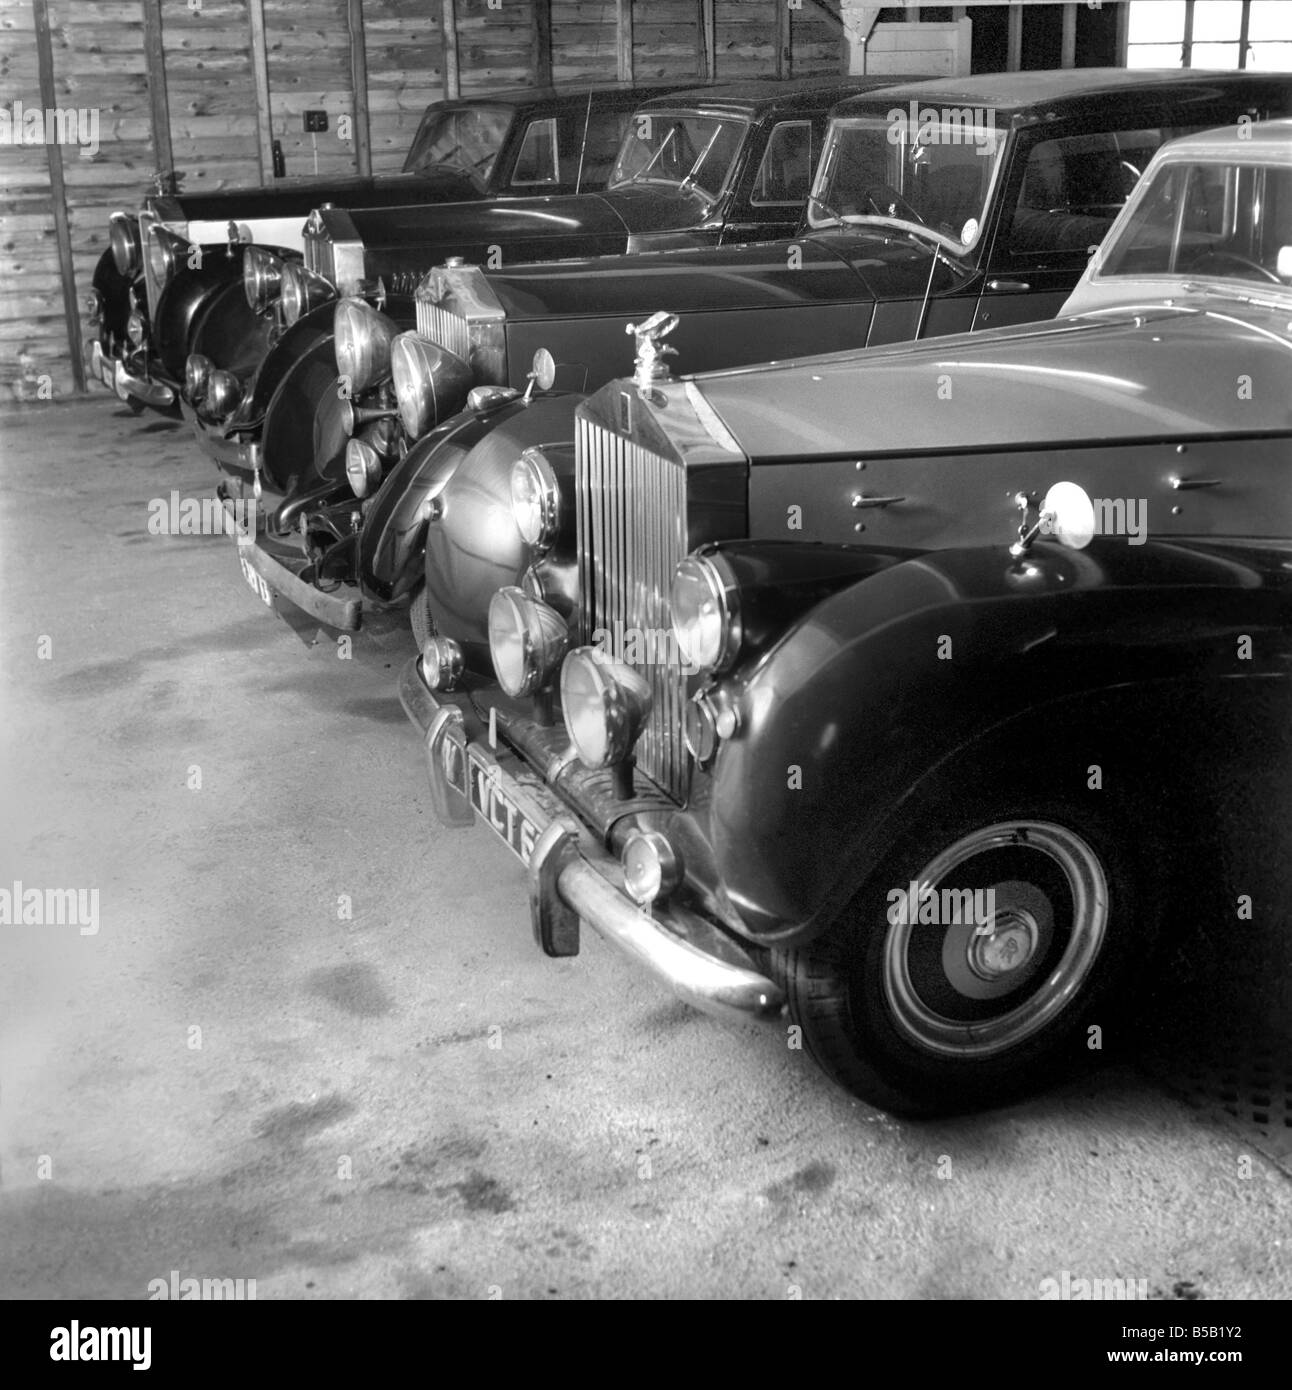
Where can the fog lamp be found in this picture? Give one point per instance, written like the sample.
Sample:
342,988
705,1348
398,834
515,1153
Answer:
94,305
197,377
222,394
527,640
442,663
535,499
362,467
652,867
605,705
136,328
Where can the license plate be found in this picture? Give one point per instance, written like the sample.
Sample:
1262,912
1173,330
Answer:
255,581
481,784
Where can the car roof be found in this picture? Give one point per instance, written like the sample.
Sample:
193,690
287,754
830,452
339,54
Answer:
1269,141
1052,89
759,98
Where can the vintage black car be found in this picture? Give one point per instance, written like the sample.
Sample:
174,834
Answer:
509,144
921,223
708,167
779,708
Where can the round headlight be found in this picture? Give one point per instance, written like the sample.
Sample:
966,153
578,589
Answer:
431,383
605,705
527,640
362,467
535,499
222,394
363,339
123,238
161,255
136,328
706,619
262,277
197,377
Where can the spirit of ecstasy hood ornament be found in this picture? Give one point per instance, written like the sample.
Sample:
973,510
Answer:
652,350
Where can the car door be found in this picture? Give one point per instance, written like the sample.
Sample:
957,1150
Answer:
775,182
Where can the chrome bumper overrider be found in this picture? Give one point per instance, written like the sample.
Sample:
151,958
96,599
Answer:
571,878
101,366
150,392
283,575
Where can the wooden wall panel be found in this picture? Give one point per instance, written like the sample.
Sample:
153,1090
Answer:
584,40
309,69
212,94
495,46
405,74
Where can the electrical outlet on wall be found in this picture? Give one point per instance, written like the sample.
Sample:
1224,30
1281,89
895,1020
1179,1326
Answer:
315,122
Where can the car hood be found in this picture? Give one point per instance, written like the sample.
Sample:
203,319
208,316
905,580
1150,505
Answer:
755,276
299,199
452,227
1138,374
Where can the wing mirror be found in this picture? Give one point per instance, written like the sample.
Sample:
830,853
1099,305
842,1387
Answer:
542,373
1066,513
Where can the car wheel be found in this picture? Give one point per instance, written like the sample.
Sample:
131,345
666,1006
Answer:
985,996
419,615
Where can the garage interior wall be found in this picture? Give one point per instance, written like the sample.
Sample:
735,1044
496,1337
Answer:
212,93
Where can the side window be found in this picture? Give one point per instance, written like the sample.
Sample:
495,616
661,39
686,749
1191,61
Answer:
1072,189
538,161
606,131
785,175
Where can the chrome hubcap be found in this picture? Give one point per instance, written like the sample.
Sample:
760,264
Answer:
975,985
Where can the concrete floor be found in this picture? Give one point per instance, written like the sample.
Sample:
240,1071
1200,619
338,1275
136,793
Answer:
228,1081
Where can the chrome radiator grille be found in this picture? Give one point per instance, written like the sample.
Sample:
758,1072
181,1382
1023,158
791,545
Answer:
631,516
444,328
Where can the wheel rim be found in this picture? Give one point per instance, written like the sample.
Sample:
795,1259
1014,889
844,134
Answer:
976,975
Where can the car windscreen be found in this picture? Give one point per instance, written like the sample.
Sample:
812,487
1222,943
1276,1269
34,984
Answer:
934,173
1222,220
662,148
465,140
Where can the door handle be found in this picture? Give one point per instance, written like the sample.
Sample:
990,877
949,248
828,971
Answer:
1192,484
860,502
1008,286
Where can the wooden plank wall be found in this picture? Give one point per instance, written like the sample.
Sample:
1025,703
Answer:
217,136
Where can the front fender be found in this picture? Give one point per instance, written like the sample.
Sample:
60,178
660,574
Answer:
473,547
113,290
186,296
230,332
860,704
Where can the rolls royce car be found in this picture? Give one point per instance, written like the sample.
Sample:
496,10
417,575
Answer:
709,167
920,224
848,693
509,144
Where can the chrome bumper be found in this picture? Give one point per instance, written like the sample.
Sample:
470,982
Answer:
571,878
101,366
282,575
150,392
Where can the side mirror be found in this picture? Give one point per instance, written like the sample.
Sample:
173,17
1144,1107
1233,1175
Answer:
542,373
1066,513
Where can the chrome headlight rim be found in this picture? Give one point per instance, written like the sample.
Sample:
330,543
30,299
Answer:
707,575
363,467
605,719
302,291
262,277
123,240
136,328
536,500
537,636
163,248
431,383
363,338
223,393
